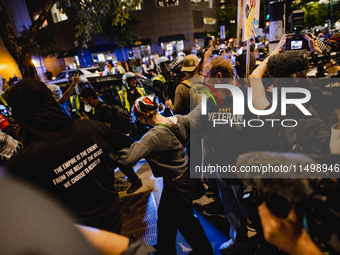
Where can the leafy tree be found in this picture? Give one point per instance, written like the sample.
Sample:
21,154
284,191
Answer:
335,12
88,12
121,34
224,16
44,44
315,13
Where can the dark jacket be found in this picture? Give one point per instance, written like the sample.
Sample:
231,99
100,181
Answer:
69,158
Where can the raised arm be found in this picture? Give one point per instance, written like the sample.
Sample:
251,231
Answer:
68,92
260,100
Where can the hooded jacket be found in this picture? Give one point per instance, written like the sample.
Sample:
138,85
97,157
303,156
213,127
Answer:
69,158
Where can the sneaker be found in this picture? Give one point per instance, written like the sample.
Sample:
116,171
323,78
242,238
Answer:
213,212
251,228
135,186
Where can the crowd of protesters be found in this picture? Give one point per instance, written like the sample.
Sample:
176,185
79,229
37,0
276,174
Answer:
71,155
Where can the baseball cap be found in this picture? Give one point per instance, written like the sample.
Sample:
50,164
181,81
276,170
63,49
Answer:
190,62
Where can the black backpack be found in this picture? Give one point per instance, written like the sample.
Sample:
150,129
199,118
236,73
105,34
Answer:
120,119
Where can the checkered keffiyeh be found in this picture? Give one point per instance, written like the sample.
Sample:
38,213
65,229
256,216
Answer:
176,63
8,146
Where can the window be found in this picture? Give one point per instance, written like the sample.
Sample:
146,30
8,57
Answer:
172,46
196,2
198,19
166,3
60,76
71,73
58,15
93,70
139,6
208,3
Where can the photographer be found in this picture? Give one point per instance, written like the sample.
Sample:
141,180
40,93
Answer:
287,232
290,64
241,62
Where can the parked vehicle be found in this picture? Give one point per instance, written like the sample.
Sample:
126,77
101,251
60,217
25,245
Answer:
65,77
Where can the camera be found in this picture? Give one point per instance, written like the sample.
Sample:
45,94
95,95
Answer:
296,41
208,42
315,200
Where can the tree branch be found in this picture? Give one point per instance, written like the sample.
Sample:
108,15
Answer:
8,35
38,23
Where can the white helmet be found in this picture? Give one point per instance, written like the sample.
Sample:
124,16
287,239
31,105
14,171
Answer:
159,61
181,54
83,83
127,76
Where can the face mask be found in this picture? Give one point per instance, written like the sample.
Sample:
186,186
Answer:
88,108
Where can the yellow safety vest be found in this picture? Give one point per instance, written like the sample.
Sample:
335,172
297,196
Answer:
77,106
113,71
120,69
3,101
124,100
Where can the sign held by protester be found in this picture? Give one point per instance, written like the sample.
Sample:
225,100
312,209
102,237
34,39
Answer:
251,14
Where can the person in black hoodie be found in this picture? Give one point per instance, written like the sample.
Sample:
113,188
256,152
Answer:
66,157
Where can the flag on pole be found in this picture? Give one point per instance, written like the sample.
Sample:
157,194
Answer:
251,19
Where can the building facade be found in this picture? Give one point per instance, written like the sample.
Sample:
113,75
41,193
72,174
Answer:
165,26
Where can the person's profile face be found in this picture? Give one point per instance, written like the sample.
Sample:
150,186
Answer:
208,79
86,101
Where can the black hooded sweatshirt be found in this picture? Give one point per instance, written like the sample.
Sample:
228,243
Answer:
69,158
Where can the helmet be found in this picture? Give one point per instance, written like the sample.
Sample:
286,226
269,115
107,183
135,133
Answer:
181,54
144,104
127,76
161,60
176,64
83,83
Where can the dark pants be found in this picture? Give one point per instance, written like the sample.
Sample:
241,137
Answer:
129,172
160,96
176,212
234,210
